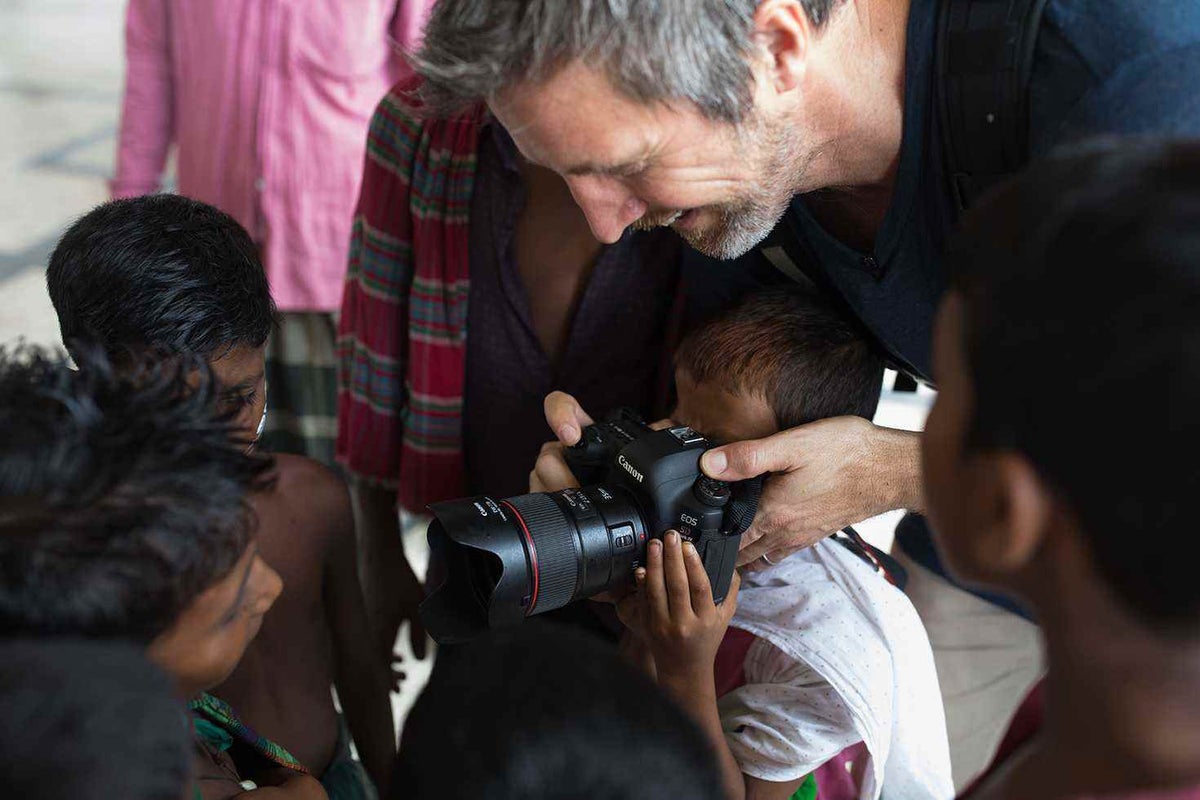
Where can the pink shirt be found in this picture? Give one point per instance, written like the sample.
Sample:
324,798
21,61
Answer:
267,103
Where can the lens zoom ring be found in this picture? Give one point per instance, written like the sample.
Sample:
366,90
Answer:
557,550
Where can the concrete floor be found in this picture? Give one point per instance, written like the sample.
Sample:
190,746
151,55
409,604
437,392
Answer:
61,71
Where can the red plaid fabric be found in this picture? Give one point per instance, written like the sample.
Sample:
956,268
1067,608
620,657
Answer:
402,332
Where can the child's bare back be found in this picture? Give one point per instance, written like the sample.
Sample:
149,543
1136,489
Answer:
317,631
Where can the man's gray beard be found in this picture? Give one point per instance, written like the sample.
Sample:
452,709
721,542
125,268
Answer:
739,229
744,224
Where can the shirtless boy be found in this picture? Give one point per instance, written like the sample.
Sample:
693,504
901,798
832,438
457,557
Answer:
174,274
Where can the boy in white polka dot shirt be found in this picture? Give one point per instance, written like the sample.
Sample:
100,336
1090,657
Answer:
824,677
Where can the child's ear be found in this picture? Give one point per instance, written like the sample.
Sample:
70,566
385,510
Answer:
1017,512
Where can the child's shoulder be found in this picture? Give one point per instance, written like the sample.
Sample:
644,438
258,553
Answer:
307,473
824,608
311,492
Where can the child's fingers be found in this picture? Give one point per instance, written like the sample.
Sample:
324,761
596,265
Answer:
656,589
676,576
698,583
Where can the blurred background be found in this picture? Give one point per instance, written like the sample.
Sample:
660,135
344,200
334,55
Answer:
60,93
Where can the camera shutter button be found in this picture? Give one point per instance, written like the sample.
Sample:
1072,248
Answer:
711,492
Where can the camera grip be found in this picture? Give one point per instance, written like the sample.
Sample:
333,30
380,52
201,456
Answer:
720,560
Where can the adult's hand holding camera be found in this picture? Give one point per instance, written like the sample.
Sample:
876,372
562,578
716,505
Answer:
824,476
567,419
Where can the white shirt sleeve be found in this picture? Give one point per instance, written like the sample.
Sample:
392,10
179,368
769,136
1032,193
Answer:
786,721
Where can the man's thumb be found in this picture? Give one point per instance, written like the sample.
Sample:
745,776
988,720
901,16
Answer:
742,460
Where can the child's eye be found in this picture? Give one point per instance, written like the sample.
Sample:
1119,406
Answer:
240,400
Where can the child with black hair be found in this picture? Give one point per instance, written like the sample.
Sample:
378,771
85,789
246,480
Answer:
1057,456
546,712
124,515
89,720
173,274
824,658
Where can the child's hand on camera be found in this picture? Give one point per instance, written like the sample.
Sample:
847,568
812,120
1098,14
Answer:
674,612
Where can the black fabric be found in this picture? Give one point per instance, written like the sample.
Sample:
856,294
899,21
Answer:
984,59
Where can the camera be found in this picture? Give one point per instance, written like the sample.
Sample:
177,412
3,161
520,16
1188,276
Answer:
495,562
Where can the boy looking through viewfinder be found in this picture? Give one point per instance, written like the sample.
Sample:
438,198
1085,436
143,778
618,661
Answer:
825,664
174,274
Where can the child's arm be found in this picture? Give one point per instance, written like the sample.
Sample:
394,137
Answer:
146,120
673,610
392,589
361,678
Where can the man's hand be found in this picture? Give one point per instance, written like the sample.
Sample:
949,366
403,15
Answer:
824,476
567,419
674,613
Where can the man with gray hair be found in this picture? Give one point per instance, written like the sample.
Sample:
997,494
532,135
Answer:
803,138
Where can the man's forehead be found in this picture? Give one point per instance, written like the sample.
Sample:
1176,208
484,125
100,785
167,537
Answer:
575,121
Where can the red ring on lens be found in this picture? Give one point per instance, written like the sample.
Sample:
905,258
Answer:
532,555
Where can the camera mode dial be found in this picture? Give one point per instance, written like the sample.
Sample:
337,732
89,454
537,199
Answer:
711,492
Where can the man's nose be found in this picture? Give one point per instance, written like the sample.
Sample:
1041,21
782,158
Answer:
608,206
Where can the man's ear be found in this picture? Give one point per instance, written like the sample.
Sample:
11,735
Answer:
784,33
1018,512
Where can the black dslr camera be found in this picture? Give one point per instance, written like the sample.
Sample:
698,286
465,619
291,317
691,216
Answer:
495,562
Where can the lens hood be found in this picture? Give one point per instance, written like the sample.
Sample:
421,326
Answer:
479,570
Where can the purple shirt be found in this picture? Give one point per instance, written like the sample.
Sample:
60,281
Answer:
615,354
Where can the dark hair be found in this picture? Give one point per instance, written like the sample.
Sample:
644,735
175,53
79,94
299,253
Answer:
548,712
1081,290
795,349
121,496
160,271
89,721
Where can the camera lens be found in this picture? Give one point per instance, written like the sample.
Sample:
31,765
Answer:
492,563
